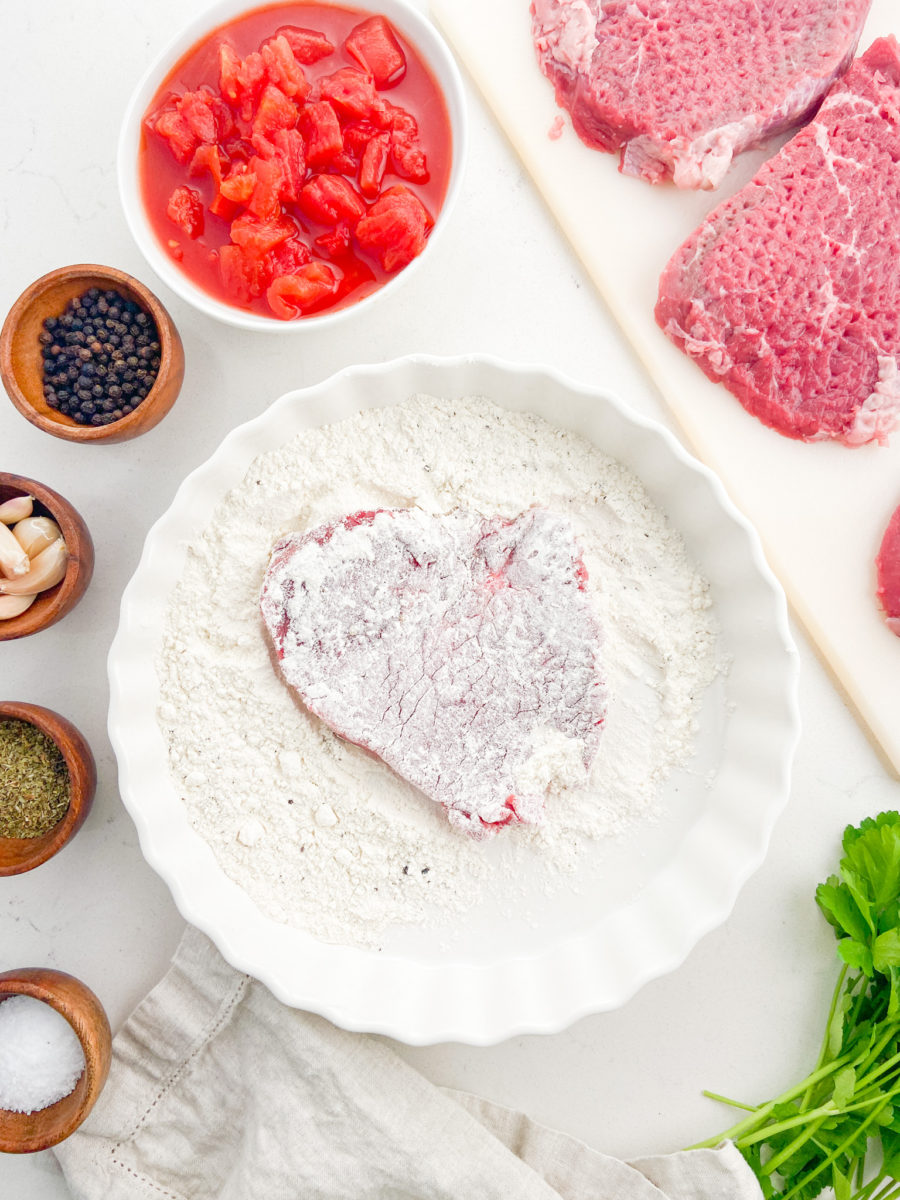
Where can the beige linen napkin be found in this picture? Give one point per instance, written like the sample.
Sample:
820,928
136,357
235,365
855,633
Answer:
217,1090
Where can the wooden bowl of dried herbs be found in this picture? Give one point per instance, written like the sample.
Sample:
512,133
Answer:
47,782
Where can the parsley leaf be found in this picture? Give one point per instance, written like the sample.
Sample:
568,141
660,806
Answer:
821,1132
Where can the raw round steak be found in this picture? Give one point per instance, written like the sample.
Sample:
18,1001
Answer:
684,85
450,646
888,567
789,293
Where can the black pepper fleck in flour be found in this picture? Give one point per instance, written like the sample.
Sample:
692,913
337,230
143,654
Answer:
34,781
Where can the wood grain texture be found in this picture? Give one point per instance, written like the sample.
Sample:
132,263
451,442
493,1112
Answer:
24,1133
53,604
18,855
820,509
21,363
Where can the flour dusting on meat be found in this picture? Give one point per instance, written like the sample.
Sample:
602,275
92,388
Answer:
445,645
322,834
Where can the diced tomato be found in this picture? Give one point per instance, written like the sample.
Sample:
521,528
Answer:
291,295
239,184
331,198
257,238
357,137
376,49
229,67
241,79
288,148
283,69
264,202
353,96
289,256
407,156
394,229
308,45
275,111
321,131
336,242
373,164
196,108
245,276
344,163
291,160
182,140
185,209
207,158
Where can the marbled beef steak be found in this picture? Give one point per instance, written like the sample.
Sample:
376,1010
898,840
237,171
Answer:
789,293
448,645
681,86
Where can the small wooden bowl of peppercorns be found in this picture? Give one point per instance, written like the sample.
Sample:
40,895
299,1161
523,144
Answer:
47,782
89,354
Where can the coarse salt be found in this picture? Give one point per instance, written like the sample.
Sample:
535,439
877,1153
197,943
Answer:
41,1059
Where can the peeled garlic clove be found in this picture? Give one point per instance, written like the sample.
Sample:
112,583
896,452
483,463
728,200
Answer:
16,509
14,562
12,606
35,534
47,569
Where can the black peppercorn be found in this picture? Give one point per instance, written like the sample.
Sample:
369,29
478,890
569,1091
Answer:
101,357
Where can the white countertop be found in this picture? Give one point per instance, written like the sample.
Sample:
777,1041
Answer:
743,1015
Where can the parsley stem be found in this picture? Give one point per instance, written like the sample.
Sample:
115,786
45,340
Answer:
775,1162
759,1115
731,1103
836,1153
826,1040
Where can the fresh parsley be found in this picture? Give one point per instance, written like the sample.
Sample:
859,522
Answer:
840,1127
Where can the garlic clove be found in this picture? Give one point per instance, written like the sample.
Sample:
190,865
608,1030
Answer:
35,534
13,606
16,509
47,569
14,562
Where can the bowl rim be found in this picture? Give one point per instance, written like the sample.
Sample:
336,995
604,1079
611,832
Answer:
169,343
82,769
436,54
455,1000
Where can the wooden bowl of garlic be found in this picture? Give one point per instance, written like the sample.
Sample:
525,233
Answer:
46,557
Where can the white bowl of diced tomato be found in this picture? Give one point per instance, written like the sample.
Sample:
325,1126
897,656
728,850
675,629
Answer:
284,167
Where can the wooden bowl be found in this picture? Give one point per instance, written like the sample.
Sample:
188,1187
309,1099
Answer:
53,604
21,362
23,1133
22,854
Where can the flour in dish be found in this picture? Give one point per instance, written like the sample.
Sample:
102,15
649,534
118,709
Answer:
322,835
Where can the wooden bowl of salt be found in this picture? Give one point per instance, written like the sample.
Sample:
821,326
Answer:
26,1083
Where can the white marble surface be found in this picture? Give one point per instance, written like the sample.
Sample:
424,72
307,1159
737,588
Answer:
743,1014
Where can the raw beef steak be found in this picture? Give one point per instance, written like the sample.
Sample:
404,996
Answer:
447,645
888,567
684,85
789,292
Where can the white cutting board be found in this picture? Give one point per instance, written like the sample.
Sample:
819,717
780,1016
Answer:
820,509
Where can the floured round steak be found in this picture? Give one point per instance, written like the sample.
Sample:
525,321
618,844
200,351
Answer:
888,567
681,86
789,292
451,646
